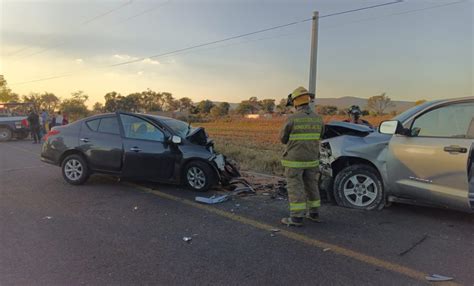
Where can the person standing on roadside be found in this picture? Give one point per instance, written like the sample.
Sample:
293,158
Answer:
59,119
44,118
34,121
65,119
52,123
301,134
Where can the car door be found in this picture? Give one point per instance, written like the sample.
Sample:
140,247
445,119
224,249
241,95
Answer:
148,155
432,163
101,142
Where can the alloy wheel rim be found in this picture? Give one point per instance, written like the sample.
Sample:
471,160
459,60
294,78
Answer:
3,134
360,190
196,178
73,170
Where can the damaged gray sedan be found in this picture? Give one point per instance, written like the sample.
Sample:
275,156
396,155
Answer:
423,156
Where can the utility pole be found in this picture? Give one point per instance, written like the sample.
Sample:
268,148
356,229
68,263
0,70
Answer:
313,56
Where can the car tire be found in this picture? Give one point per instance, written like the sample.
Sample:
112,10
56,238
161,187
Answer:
359,187
199,176
74,169
5,134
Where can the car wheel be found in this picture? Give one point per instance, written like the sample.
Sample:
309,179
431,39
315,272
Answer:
5,134
199,176
359,187
75,170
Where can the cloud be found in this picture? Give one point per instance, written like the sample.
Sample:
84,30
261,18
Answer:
79,61
139,73
150,61
124,57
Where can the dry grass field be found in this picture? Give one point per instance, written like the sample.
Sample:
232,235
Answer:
254,143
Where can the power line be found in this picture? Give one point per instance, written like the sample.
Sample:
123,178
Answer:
221,40
145,11
360,9
95,18
107,13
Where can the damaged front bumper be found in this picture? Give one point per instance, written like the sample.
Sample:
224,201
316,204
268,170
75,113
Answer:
325,159
226,170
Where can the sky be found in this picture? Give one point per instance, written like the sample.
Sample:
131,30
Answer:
408,50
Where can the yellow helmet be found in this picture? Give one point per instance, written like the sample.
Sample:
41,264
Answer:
301,96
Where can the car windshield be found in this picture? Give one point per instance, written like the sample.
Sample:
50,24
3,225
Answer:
180,128
402,117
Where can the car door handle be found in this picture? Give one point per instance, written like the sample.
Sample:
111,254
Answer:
455,149
85,140
135,149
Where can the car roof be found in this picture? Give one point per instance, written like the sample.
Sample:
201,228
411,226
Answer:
449,100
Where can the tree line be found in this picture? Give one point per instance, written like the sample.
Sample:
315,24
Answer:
152,101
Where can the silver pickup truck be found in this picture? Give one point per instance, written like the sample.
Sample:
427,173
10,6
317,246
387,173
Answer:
423,156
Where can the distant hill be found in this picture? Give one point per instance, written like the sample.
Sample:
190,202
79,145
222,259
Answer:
347,101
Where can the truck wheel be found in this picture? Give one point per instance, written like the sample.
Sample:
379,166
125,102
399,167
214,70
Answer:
75,170
5,134
199,176
359,187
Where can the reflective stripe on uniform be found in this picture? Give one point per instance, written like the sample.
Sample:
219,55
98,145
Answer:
299,164
297,206
314,204
304,136
307,119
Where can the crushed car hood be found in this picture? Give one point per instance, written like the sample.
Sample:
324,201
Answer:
347,139
198,136
338,128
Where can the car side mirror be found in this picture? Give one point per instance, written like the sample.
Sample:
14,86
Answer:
176,139
391,127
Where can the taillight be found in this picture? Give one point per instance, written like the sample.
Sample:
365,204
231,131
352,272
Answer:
50,133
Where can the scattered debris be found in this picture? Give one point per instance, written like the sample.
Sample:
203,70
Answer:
135,208
275,230
326,249
187,239
418,242
48,217
237,205
438,278
212,200
272,235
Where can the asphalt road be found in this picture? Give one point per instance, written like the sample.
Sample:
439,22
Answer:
117,233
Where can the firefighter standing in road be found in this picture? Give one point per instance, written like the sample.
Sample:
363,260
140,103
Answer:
355,113
301,134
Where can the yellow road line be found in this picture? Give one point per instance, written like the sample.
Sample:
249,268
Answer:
380,263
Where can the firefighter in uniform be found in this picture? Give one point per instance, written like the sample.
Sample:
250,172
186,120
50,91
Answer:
301,134
355,113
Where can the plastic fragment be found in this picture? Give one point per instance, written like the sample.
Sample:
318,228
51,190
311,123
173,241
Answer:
48,217
212,200
187,239
438,278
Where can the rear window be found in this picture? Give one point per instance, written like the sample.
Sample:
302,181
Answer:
93,124
109,125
